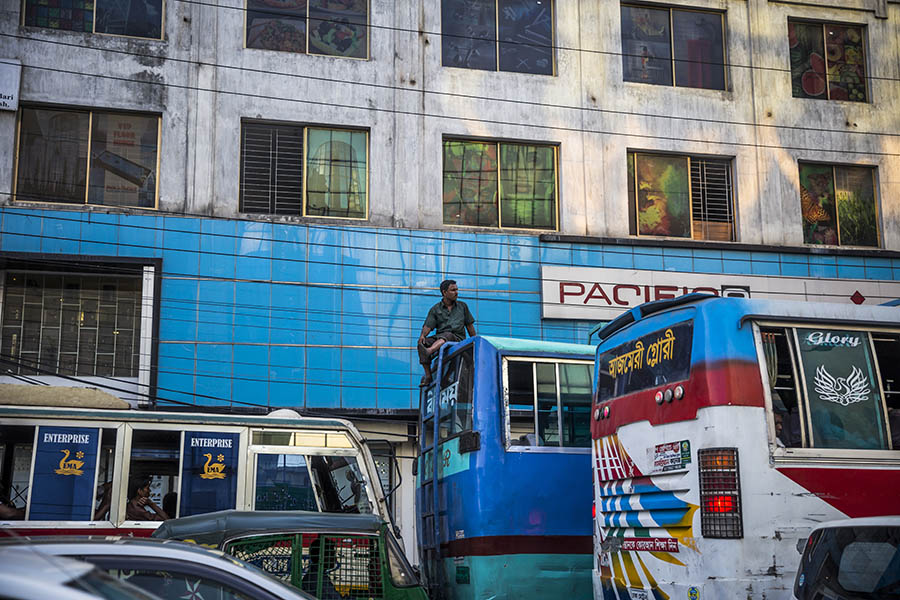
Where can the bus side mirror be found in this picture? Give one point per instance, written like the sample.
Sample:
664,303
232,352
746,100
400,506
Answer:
415,466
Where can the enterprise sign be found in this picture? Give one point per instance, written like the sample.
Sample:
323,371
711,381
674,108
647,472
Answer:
596,294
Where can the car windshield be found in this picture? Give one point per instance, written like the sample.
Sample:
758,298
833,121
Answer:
853,563
105,586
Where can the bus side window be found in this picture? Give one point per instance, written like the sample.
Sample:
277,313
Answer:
575,398
520,388
155,458
887,353
16,448
783,387
62,488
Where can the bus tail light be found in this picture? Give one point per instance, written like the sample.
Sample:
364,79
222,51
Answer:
720,493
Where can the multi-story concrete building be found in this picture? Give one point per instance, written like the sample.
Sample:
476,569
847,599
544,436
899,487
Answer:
250,205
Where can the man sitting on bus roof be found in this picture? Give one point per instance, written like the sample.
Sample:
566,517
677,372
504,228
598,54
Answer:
450,319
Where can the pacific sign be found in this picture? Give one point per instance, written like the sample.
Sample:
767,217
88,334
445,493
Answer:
597,294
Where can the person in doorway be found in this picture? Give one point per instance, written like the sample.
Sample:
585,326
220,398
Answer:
139,502
449,319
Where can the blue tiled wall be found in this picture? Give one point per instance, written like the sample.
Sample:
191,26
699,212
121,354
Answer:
315,316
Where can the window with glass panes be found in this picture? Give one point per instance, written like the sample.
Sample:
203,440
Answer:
671,46
828,61
133,18
71,324
328,27
838,205
549,402
87,157
500,184
498,35
300,170
680,196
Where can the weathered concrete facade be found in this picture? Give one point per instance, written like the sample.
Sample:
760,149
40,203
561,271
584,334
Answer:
203,82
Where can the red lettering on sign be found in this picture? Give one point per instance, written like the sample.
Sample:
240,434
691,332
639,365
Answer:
563,293
600,294
712,291
665,292
617,288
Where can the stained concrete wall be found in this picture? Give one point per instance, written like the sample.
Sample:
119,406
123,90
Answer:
203,82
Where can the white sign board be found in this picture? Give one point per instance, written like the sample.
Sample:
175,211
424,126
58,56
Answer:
596,294
10,78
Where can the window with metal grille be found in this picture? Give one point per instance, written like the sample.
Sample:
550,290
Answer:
324,565
272,169
71,324
720,493
681,196
298,170
342,566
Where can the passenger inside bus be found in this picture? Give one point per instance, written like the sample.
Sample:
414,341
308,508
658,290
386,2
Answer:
139,502
8,512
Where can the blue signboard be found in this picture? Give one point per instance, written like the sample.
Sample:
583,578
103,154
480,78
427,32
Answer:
65,466
208,472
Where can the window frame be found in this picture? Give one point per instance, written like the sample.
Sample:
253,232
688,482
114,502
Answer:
504,382
726,82
247,10
851,456
497,143
873,169
304,175
87,185
634,208
864,44
162,24
498,44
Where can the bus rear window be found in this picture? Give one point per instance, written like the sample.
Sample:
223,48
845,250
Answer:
650,361
834,388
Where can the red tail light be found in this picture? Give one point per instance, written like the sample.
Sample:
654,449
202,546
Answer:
719,504
720,493
593,510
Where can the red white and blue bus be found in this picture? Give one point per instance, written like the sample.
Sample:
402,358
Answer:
725,429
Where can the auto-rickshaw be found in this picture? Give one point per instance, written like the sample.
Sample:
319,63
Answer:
331,556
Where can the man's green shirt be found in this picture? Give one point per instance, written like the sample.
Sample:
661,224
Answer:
454,320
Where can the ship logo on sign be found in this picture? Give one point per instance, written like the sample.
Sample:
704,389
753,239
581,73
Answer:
842,390
70,467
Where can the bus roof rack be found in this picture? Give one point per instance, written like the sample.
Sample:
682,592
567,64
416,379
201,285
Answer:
648,308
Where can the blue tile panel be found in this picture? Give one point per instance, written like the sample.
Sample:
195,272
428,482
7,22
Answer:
320,316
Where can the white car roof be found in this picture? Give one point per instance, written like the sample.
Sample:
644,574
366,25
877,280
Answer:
37,576
885,521
176,551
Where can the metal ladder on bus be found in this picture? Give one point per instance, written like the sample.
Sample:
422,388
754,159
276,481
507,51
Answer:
429,490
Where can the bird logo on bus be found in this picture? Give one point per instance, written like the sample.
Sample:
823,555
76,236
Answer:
70,467
213,470
842,390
